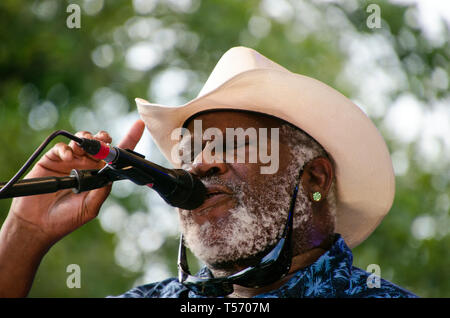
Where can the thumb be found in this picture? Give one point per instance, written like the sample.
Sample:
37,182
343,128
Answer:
133,135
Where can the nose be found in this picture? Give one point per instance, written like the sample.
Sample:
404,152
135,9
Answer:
207,166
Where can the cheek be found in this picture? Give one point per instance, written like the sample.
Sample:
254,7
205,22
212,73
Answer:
259,187
248,174
256,182
285,157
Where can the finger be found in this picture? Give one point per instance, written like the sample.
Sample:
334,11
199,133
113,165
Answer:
101,135
133,136
62,158
60,152
94,201
57,159
77,150
64,167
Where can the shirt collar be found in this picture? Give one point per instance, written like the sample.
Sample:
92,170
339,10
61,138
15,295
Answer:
330,272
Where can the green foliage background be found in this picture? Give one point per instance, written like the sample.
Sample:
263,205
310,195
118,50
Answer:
44,61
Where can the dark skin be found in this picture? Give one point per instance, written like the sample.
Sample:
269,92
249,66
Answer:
36,223
317,176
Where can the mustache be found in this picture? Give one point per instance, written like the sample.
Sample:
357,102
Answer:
215,180
234,187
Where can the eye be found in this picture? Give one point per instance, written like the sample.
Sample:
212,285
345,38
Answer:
248,142
192,154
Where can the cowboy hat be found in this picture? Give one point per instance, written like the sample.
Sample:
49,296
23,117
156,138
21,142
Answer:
243,79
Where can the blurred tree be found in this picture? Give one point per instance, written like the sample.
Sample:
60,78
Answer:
54,77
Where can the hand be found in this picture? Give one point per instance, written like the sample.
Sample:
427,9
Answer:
52,216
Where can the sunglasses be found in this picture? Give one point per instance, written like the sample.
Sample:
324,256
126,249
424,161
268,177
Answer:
272,267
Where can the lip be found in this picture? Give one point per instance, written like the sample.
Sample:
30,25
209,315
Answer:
215,195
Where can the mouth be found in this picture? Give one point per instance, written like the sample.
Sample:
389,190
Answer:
211,194
215,195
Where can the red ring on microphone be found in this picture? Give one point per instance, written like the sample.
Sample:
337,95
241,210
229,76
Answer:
103,152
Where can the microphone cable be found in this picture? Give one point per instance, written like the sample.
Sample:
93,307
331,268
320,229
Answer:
36,153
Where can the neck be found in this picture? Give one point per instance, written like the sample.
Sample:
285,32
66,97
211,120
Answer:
298,262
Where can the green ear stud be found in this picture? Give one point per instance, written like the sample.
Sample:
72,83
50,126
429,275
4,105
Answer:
317,196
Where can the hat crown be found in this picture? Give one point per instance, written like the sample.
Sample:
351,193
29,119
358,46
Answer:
235,61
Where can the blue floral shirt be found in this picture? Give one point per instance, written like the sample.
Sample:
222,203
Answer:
331,276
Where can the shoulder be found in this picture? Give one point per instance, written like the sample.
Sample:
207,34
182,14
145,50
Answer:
169,288
367,285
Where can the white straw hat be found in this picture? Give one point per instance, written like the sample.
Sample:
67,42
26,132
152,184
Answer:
243,79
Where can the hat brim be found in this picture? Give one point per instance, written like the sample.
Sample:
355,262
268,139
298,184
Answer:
365,179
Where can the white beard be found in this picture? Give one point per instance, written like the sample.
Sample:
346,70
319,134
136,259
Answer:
253,225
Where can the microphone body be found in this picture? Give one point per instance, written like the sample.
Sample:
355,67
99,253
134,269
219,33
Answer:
78,181
177,187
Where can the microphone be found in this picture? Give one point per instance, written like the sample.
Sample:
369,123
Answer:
177,187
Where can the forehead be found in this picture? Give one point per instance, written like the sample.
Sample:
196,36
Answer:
233,119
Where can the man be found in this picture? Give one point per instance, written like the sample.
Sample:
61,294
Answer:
282,233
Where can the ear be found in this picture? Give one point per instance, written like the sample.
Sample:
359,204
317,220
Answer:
318,176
